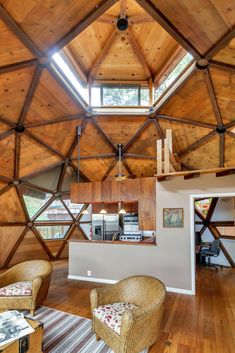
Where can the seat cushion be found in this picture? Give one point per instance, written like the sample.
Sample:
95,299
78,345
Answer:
111,315
16,289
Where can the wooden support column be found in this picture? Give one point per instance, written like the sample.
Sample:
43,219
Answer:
159,157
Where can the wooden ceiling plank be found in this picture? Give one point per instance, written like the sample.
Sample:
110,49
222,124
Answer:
102,54
56,121
15,247
221,149
106,137
136,135
30,94
32,175
150,8
97,156
196,144
138,52
106,18
140,18
6,134
213,98
82,175
125,164
17,66
110,168
100,9
220,44
7,122
4,15
44,144
186,121
5,189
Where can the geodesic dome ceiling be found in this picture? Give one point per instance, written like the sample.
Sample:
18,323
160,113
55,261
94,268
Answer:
40,111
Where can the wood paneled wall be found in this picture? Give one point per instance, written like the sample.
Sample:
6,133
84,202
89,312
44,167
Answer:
141,190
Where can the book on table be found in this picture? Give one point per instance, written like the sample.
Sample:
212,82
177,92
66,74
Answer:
13,326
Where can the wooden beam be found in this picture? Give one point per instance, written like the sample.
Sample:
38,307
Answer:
221,149
213,98
139,19
43,208
222,66
229,125
7,121
110,168
225,172
158,127
82,175
17,66
72,61
220,44
197,144
187,121
6,134
15,28
67,209
97,156
151,92
138,52
42,242
21,199
159,157
102,54
98,10
106,137
153,11
212,208
29,97
6,188
138,156
223,223
17,156
216,235
34,187
136,135
128,169
166,165
230,133
191,175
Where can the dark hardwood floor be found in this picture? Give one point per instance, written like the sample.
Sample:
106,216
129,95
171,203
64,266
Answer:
204,323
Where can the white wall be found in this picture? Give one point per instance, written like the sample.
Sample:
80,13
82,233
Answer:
170,260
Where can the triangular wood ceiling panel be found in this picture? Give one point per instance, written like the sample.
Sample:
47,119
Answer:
192,101
227,54
50,101
224,85
11,210
115,171
29,249
12,50
45,22
59,136
183,136
121,62
7,151
229,151
54,246
2,185
207,154
121,128
142,167
14,87
34,157
8,239
199,21
92,142
158,52
85,55
3,128
146,142
95,169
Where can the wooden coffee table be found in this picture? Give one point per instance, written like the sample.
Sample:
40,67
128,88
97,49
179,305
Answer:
31,343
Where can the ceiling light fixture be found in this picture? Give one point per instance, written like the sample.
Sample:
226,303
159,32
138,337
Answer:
121,210
122,22
85,212
120,176
103,210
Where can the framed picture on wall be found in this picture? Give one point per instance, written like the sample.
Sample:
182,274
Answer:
173,217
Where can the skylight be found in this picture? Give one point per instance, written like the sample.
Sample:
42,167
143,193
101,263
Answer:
187,59
65,69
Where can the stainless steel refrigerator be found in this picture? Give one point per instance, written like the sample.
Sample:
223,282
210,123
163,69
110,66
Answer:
104,226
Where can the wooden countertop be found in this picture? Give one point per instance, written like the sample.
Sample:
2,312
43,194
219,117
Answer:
151,241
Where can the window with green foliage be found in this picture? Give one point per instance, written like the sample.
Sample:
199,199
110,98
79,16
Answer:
113,95
203,206
187,59
53,231
34,200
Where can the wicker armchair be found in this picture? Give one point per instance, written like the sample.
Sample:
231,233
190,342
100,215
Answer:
36,271
139,326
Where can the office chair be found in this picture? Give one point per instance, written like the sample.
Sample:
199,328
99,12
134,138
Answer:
212,251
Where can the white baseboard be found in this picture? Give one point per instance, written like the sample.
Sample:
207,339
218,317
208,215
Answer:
111,281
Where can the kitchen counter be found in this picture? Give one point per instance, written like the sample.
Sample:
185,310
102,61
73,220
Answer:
148,241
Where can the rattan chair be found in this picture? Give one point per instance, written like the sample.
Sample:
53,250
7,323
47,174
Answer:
139,326
36,271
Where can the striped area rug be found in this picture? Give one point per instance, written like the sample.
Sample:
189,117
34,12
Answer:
66,333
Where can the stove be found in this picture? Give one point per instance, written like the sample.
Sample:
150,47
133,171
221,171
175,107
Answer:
135,237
